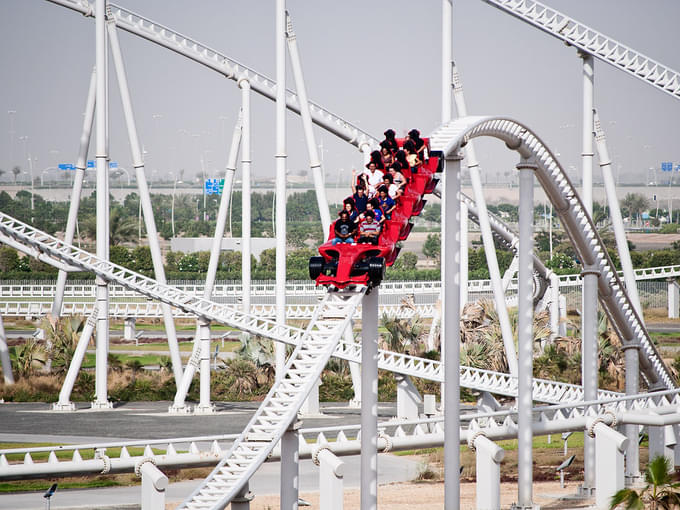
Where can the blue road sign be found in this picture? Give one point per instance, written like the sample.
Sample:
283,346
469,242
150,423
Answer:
666,166
66,166
90,164
113,164
213,186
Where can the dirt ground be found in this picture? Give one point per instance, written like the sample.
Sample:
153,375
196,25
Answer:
406,496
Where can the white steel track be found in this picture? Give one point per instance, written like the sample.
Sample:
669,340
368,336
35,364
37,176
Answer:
230,68
181,452
577,223
57,251
592,42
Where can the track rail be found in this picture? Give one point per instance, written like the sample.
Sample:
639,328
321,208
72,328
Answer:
191,48
592,42
577,223
56,251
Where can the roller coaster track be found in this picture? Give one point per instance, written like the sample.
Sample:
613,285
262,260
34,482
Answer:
577,223
593,43
230,68
58,252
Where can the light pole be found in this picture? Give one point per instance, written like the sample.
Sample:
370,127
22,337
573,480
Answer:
11,114
172,207
45,170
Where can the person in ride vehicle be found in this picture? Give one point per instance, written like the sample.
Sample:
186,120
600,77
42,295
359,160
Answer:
400,157
390,142
393,191
372,178
386,203
397,177
419,143
376,157
412,158
369,229
348,205
373,206
387,157
344,229
359,195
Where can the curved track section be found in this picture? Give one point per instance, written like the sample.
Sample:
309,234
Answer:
28,239
230,68
592,42
449,138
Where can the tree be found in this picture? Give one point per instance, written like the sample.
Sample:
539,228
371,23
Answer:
634,204
660,492
9,260
121,228
432,246
16,171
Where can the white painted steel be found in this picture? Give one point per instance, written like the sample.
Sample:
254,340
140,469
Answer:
81,163
616,216
102,206
369,401
281,405
280,159
487,235
447,59
221,63
590,41
246,209
609,462
451,225
64,403
207,450
308,128
144,196
5,362
488,458
525,335
577,223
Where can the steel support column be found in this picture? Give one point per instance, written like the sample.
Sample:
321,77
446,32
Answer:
616,217
451,248
144,197
369,400
587,130
447,58
308,128
81,163
465,223
280,179
525,335
64,403
246,159
204,406
631,352
101,158
487,234
590,371
4,356
290,467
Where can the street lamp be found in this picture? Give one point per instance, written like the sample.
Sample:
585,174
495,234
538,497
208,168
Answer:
172,207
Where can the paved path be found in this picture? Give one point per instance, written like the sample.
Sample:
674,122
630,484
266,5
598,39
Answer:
35,422
390,467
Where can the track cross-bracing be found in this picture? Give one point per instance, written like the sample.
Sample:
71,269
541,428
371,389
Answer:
593,43
484,380
577,223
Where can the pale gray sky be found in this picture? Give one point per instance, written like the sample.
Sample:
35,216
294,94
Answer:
374,63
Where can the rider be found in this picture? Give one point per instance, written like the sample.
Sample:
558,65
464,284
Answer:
344,229
369,229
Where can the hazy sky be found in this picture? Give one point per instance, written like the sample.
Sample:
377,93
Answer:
374,63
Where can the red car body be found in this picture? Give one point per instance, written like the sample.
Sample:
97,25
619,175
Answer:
347,264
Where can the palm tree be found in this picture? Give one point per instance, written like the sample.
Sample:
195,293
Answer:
660,493
16,171
260,352
61,335
27,356
121,229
